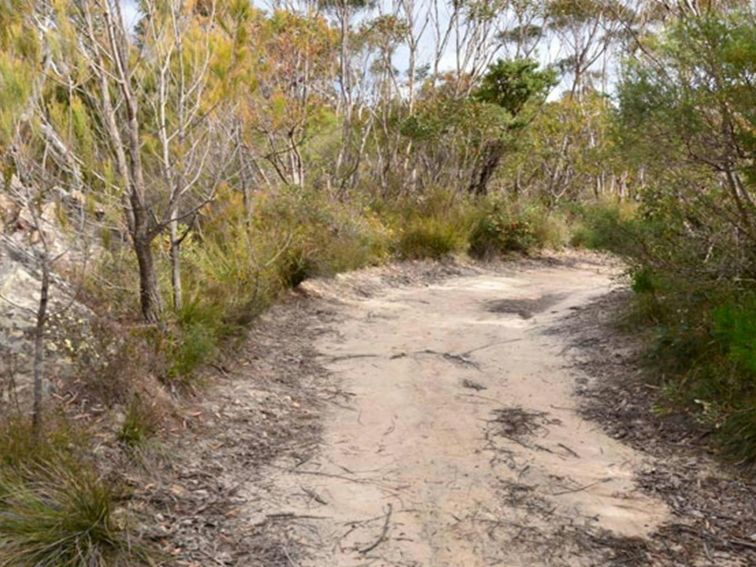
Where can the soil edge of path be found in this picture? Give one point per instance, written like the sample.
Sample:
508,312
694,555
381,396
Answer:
713,504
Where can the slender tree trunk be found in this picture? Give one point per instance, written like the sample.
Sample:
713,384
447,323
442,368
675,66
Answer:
246,197
142,233
178,300
346,95
39,349
149,293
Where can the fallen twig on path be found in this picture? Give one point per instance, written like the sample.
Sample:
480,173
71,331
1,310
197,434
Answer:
581,488
382,537
570,451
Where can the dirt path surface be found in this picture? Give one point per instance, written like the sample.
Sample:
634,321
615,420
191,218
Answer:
460,444
444,415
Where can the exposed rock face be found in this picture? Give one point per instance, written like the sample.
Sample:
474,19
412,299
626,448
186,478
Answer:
20,287
19,296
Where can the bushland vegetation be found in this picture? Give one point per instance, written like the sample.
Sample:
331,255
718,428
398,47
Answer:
182,168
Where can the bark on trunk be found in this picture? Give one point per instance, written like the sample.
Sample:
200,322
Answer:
178,295
492,154
39,349
149,293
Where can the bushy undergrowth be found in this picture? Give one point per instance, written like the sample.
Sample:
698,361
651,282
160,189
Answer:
703,313
238,264
428,237
55,509
603,226
503,227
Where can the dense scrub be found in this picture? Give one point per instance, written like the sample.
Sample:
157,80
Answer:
690,242
703,349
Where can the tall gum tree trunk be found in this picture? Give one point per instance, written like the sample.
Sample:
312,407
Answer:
149,293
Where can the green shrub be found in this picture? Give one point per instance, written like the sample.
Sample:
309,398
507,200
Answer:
430,238
295,266
738,433
691,290
705,347
323,237
642,280
194,344
735,328
503,227
604,226
20,447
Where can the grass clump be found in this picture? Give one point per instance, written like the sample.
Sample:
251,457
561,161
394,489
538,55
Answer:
55,509
194,339
432,238
322,237
434,225
61,515
19,446
141,423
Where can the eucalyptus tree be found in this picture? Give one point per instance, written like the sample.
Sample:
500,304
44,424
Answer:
344,13
519,88
686,114
128,94
586,30
185,61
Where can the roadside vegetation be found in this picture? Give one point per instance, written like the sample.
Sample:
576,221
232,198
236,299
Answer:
686,116
183,171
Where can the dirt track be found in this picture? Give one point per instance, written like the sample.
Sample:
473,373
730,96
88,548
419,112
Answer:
444,415
460,444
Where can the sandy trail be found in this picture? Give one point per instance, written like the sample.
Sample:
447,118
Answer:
460,444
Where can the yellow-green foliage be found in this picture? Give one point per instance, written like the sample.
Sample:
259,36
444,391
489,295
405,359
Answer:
20,448
325,236
242,264
238,262
432,226
19,50
602,225
15,86
429,237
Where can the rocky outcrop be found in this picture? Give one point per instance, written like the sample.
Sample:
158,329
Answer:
20,286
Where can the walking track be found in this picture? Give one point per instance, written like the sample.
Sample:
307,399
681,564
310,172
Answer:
460,443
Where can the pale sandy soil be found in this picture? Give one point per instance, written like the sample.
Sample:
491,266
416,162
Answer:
444,415
459,444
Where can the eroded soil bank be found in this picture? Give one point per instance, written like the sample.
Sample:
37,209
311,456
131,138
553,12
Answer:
428,416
